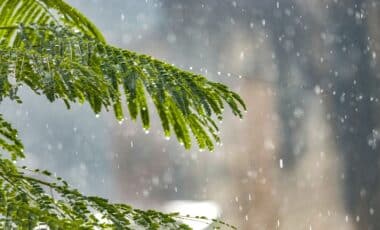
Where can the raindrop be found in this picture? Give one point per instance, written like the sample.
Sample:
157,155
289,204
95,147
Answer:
281,163
269,144
263,22
97,115
146,131
167,138
318,90
342,98
242,55
298,112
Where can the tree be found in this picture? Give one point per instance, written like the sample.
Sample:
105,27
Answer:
57,52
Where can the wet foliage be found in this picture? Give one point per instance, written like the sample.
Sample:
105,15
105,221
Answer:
55,51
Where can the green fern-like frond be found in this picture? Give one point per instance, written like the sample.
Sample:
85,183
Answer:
29,197
72,66
51,200
43,12
57,52
9,141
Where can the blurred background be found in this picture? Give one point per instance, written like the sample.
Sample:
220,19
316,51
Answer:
305,156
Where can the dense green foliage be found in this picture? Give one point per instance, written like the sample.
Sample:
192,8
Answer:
55,51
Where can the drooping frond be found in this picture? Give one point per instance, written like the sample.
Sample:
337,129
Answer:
72,66
59,53
9,141
29,197
60,207
15,12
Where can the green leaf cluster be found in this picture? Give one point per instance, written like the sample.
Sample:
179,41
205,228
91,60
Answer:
54,50
43,12
62,64
29,197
